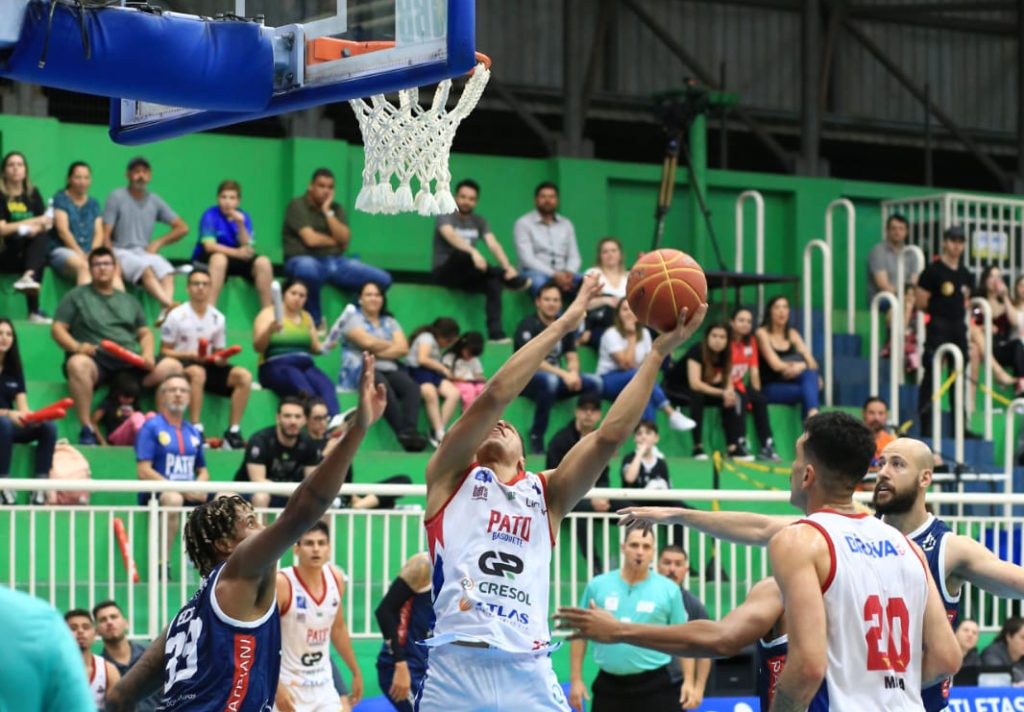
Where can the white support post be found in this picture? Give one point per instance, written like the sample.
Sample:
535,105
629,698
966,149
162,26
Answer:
958,412
758,236
1009,450
895,351
826,258
153,567
986,312
851,253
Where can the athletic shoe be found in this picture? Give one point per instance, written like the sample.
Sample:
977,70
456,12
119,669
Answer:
38,499
412,441
768,453
536,444
518,283
7,497
87,436
498,339
233,440
698,453
678,421
27,283
740,453
39,317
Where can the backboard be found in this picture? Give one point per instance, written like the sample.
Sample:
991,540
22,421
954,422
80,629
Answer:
324,51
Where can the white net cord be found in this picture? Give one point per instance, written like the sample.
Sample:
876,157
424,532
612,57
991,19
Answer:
408,141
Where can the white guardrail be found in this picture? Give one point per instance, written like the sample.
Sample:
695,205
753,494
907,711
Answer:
808,332
758,201
70,556
895,351
851,253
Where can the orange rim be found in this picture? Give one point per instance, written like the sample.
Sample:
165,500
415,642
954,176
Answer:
329,49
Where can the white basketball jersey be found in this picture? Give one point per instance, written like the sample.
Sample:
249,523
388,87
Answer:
98,682
875,599
491,549
306,631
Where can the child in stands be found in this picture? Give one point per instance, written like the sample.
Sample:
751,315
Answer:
463,361
119,418
440,396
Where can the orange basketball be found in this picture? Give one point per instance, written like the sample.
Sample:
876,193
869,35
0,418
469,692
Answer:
661,284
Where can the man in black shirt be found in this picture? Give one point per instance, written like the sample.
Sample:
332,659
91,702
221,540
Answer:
280,453
942,292
674,563
559,374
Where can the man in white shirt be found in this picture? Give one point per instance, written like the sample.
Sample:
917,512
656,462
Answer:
191,333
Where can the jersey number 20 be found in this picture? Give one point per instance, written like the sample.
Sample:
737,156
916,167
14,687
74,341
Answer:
183,645
888,636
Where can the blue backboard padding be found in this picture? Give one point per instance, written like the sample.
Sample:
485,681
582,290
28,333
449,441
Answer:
461,41
166,59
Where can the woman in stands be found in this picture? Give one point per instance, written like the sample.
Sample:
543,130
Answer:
369,326
24,231
746,379
1007,650
77,225
709,377
1007,348
790,373
286,349
13,409
610,267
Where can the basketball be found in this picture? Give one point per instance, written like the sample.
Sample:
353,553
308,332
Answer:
661,284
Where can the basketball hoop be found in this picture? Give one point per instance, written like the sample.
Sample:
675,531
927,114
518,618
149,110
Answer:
407,141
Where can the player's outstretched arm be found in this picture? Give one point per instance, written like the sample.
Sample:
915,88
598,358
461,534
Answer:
143,678
942,653
968,560
254,556
460,444
582,465
738,527
752,619
800,560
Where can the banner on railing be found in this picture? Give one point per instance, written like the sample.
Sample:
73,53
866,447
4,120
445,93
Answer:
961,699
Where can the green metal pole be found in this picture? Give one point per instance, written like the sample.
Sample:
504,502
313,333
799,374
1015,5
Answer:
698,238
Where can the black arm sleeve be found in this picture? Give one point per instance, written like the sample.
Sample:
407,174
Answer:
389,612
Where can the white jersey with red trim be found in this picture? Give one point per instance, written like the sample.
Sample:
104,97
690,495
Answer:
98,681
306,630
875,598
491,549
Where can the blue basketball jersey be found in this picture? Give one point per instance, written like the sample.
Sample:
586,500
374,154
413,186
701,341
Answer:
213,662
931,537
771,658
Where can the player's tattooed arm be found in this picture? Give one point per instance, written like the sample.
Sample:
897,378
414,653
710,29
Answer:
144,678
784,703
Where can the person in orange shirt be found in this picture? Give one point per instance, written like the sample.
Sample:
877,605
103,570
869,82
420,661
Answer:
876,416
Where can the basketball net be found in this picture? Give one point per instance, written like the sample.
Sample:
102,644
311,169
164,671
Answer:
409,141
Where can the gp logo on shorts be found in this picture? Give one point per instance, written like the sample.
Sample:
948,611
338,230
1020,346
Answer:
501,564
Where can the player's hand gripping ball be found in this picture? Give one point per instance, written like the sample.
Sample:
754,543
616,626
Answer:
661,284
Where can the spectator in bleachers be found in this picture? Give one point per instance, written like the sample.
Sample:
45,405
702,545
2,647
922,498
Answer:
674,563
942,292
317,419
168,447
610,268
117,649
458,263
790,372
93,312
225,246
559,375
967,635
316,236
746,380
623,348
286,349
406,617
279,453
77,225
884,259
645,467
1018,295
546,245
102,674
13,409
463,360
1007,650
118,418
129,217
875,415
186,330
369,326
709,377
440,396
1007,347
24,231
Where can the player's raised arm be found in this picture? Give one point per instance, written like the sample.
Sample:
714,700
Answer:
582,465
968,560
255,555
737,527
743,626
460,444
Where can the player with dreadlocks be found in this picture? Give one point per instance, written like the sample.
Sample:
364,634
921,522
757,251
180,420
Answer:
223,649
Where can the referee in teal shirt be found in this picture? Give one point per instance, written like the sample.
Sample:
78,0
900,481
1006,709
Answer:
630,678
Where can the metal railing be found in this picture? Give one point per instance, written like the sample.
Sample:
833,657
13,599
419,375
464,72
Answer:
895,351
758,237
808,279
901,283
986,312
958,411
851,254
370,546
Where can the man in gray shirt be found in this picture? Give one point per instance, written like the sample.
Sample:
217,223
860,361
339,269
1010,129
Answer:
884,260
129,217
117,649
546,244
